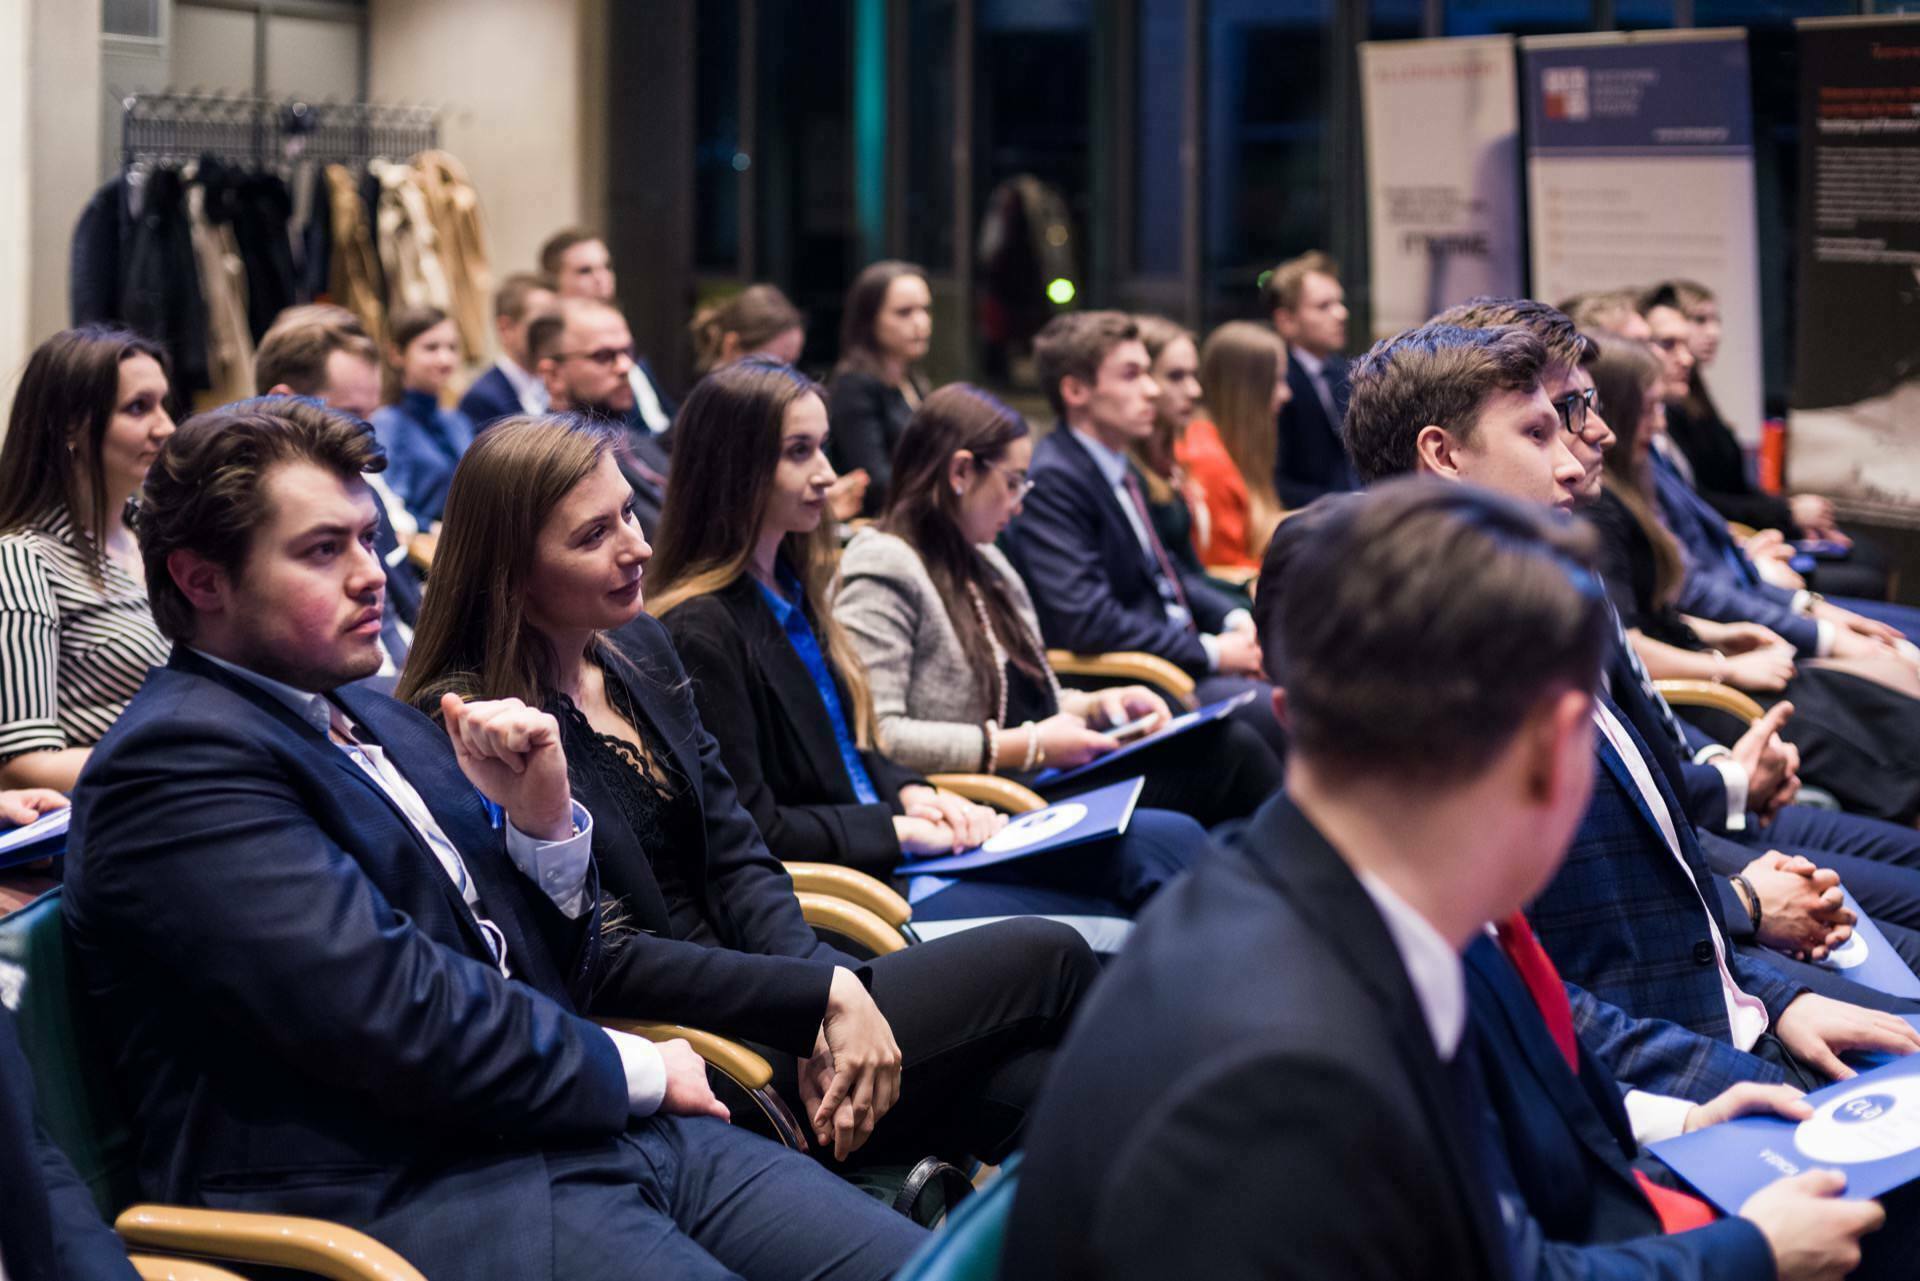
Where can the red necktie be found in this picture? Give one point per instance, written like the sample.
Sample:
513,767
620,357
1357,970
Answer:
1153,541
1677,1211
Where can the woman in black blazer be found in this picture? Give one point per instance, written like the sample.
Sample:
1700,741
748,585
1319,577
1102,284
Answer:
740,579
537,595
885,328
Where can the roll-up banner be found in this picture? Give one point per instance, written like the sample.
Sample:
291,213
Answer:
1855,427
1443,174
1640,169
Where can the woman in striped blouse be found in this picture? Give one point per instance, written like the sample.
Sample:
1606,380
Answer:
76,635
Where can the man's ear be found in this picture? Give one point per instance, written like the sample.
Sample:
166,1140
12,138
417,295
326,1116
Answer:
1560,755
1437,452
1075,393
204,584
279,389
1280,706
1286,325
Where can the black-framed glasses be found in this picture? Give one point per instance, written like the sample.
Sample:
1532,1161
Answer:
1573,408
605,357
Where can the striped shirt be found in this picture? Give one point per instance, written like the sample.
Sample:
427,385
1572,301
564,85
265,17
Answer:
73,651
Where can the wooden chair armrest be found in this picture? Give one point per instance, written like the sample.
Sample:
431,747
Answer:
1710,694
420,549
1003,794
853,885
272,1240
731,1059
850,921
1740,531
160,1267
1127,665
1238,575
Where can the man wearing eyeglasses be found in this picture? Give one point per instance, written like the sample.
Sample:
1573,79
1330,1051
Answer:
584,354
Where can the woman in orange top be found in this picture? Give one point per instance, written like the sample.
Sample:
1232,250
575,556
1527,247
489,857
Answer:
1229,453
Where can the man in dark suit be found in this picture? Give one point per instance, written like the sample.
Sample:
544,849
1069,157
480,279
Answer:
510,386
1309,308
346,954
584,352
1633,916
581,267
1283,1034
1100,577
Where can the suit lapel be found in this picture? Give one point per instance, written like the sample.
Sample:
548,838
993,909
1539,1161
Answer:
781,671
1075,451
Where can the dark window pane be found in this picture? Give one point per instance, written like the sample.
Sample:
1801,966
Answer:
1160,108
1636,15
930,105
1396,19
718,156
1730,13
1266,177
1520,17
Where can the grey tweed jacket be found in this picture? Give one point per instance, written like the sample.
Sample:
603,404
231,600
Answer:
930,704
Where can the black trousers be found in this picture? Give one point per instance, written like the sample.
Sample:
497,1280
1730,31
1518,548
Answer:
977,1015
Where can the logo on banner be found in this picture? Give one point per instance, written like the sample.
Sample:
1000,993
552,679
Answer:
1868,1124
1565,90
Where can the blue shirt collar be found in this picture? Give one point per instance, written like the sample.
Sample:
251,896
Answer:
1112,463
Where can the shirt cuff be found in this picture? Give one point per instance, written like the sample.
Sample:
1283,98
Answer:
1802,602
1734,774
1212,645
1823,647
1654,1117
646,1072
559,868
1236,620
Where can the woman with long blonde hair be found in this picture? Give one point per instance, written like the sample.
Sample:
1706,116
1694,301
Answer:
1230,452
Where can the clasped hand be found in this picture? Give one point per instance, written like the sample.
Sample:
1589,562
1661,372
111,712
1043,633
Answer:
1802,911
852,1078
512,753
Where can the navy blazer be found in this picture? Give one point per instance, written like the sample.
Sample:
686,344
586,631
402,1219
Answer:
1093,585
765,975
50,1229
310,1020
1312,458
489,399
1721,583
1255,1093
1561,1153
1623,920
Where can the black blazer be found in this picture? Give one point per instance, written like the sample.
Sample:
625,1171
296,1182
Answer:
767,980
489,399
1312,457
1092,583
1291,1121
868,416
50,1229
1561,1155
755,696
1720,471
310,1020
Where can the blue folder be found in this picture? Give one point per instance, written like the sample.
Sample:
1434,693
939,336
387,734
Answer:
1868,959
1103,812
1178,725
45,837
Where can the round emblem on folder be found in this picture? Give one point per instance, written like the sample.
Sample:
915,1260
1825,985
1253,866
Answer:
1871,1123
1038,826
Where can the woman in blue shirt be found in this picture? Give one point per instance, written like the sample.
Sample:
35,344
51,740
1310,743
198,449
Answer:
740,577
423,437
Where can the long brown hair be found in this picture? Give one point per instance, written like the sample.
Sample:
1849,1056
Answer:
727,446
859,348
1155,453
61,413
756,316
1239,366
922,512
474,637
1625,376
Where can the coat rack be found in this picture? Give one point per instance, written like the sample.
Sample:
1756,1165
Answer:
263,133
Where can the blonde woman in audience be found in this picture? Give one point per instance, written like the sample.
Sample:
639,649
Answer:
1229,453
76,634
948,636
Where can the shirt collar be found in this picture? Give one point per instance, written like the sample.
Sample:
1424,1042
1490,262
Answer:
1432,966
517,378
784,602
1111,462
1308,361
307,705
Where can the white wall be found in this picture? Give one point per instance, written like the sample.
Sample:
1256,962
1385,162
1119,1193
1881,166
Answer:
521,87
63,107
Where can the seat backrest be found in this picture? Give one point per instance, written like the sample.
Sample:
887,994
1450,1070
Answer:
967,1247
71,1073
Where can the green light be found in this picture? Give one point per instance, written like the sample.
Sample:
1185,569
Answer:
1260,281
1060,291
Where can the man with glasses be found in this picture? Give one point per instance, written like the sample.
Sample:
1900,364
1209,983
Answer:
584,354
581,267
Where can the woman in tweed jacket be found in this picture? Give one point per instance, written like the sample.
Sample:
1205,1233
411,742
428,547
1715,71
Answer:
951,643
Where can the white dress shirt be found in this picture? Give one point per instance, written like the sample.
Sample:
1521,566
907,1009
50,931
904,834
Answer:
1746,1015
646,398
1432,966
531,391
559,868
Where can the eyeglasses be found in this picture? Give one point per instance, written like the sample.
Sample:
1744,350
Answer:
1573,408
605,357
1022,483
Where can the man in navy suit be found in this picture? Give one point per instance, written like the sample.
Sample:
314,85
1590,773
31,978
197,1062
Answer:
1633,917
510,386
1085,543
1282,1038
346,949
1309,308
